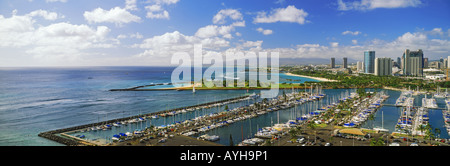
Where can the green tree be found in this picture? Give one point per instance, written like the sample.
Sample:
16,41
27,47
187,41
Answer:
438,132
377,142
312,125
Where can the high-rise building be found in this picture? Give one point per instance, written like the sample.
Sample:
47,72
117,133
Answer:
445,65
332,65
413,63
359,66
448,62
345,63
369,61
399,61
383,66
425,62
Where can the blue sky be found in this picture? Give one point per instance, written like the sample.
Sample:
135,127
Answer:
148,32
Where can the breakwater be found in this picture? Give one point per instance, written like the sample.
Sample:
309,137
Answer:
55,135
136,88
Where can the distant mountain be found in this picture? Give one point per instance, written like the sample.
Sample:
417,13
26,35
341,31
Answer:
314,61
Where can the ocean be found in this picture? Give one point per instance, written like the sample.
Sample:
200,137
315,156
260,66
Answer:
38,99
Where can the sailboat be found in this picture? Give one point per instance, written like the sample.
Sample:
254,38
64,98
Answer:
382,129
193,89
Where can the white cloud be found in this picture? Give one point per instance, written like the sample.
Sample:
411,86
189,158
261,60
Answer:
220,17
436,31
214,30
253,44
334,44
115,15
166,2
288,14
136,35
58,41
161,48
45,14
351,33
156,12
374,4
264,31
130,5
355,42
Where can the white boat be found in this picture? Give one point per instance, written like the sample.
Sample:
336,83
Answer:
379,129
209,137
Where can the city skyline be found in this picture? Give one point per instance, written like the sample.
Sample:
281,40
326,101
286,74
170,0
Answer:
136,33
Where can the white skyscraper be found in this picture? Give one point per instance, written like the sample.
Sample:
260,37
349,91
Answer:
448,62
359,66
383,66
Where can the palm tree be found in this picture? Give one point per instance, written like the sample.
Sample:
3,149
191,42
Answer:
437,131
293,132
371,118
312,125
421,128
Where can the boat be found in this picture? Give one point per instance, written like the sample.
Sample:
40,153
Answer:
209,137
381,129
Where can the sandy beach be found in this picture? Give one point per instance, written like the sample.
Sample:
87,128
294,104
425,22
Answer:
316,78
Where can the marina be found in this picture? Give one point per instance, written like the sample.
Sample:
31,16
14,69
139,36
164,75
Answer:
198,124
206,124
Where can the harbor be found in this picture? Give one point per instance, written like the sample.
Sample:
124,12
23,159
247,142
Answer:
209,123
187,127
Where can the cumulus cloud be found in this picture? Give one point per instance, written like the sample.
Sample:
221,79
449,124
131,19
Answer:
233,14
264,31
159,49
130,5
156,10
45,14
167,2
50,41
116,15
214,30
334,44
224,31
364,5
351,33
288,14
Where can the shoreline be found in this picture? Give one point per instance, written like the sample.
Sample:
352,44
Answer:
315,78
